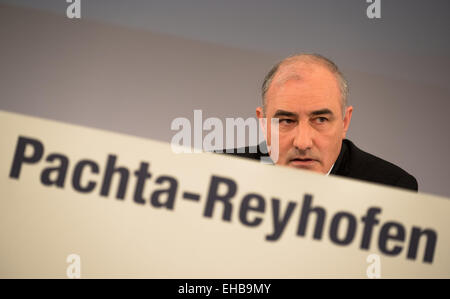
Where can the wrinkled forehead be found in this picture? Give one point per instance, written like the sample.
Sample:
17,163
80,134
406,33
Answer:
307,83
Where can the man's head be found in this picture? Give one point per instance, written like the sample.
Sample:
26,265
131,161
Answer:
308,94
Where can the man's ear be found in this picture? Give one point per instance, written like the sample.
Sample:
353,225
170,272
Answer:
260,116
259,112
347,119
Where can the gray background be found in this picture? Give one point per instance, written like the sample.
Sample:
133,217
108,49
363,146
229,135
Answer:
133,66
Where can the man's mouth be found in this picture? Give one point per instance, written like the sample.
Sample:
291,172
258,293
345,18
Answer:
302,162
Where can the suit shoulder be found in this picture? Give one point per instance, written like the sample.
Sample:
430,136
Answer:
249,152
378,170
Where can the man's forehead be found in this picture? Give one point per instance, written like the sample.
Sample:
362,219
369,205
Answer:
302,71
304,84
304,94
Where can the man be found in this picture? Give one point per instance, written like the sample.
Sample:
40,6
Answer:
308,95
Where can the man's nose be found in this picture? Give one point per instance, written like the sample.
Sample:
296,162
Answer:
303,137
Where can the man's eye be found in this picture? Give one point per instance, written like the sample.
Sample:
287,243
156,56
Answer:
321,120
286,121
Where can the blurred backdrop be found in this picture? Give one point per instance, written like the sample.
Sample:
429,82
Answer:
133,66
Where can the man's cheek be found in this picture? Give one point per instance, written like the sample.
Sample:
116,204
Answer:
283,153
269,135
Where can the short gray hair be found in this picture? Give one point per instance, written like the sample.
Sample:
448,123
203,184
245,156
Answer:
316,58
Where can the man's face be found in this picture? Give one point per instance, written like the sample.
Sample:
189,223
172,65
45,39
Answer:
311,123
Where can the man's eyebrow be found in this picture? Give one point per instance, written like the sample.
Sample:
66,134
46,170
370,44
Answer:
321,111
279,113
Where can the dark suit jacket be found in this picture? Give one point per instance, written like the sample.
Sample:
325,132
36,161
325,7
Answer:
355,163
